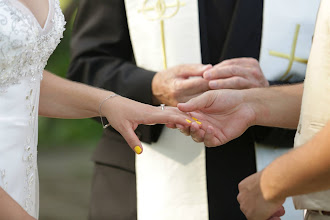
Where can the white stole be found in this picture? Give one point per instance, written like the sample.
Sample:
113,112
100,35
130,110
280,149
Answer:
288,27
315,109
170,174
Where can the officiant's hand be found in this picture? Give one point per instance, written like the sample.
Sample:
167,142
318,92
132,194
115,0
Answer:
224,115
253,203
125,115
174,85
237,73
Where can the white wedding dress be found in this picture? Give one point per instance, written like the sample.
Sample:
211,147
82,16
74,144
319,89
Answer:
24,50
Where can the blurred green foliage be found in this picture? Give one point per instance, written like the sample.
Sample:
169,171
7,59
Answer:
65,132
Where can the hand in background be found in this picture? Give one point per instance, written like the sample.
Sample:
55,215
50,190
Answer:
238,73
252,202
224,115
125,115
174,85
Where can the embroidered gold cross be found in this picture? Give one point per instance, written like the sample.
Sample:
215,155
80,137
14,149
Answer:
160,9
291,57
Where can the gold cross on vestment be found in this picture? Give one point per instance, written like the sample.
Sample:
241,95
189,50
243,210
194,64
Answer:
160,9
291,57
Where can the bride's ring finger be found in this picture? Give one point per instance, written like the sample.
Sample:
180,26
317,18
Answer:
197,134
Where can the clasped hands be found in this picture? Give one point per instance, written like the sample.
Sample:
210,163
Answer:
225,110
214,96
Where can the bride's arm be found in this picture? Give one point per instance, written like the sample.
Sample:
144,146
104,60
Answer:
11,210
61,98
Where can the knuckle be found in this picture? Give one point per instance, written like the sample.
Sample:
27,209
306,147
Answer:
233,70
175,94
177,85
253,61
256,73
238,82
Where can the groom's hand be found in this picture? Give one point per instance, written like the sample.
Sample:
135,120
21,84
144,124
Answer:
179,84
225,115
253,203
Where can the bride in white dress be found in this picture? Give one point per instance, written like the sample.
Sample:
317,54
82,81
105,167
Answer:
30,30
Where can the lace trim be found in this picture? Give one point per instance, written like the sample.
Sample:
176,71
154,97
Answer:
25,50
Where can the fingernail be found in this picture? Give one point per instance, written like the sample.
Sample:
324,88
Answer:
208,130
207,75
188,120
192,129
138,149
212,84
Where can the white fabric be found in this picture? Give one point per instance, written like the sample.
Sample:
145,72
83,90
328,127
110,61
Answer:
310,215
24,50
171,174
315,110
280,19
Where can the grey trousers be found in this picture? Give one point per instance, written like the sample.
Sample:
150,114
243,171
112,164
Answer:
113,195
311,215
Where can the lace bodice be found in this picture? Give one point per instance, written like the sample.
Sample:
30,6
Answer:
25,48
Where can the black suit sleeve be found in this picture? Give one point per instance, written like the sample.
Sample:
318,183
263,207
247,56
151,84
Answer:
102,55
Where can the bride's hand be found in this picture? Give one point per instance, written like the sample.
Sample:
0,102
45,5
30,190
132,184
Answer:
125,115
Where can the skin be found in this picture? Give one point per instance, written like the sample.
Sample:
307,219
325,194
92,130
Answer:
174,85
61,98
238,73
226,114
184,82
303,170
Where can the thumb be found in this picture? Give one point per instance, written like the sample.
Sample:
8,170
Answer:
280,212
132,140
197,103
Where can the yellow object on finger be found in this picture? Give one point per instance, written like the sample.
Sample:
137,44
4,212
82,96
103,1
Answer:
188,120
138,149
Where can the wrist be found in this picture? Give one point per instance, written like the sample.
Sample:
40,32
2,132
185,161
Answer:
154,90
270,186
252,97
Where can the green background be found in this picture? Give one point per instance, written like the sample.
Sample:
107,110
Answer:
66,132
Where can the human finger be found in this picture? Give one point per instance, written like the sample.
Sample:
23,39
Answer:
196,103
196,133
131,139
188,70
274,218
280,212
171,125
169,115
212,135
231,83
225,72
210,139
242,61
191,86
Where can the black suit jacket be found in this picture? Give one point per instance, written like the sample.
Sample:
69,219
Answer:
102,56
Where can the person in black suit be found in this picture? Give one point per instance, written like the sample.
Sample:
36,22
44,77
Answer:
102,56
